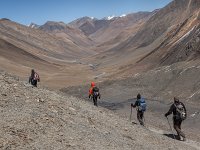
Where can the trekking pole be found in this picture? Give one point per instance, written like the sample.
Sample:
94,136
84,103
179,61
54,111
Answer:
144,121
131,114
171,128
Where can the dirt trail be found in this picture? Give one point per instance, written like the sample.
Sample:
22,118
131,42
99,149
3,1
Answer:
189,142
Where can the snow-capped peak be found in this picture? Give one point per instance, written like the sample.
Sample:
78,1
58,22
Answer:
92,18
33,25
110,17
124,15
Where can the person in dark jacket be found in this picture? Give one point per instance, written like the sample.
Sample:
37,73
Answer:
34,78
140,113
177,119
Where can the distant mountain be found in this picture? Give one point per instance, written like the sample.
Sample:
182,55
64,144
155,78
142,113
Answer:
66,32
53,26
33,25
178,27
89,25
128,24
80,21
107,28
114,45
164,37
23,48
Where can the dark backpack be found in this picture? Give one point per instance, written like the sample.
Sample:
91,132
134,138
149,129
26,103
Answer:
95,91
180,111
142,105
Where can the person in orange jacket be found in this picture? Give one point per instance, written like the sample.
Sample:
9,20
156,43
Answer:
91,89
94,93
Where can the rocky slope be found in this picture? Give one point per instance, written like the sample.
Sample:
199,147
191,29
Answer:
36,118
158,86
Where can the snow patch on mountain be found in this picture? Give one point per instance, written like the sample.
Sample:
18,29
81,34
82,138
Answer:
33,25
124,15
110,17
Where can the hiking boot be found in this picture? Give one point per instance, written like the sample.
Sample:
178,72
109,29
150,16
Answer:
178,138
141,123
184,139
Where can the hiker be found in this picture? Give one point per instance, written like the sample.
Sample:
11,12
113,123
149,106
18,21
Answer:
140,105
34,78
94,93
179,114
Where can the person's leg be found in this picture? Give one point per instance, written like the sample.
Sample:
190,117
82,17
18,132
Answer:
177,127
140,117
95,100
181,133
35,83
32,82
29,81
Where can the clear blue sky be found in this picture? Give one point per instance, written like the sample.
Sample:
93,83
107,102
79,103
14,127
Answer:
40,11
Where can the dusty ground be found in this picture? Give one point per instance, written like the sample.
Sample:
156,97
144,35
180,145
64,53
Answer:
158,86
36,118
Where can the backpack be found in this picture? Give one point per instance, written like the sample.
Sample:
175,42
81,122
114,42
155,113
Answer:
181,112
36,77
95,91
142,105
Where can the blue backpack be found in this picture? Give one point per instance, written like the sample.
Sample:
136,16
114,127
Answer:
142,105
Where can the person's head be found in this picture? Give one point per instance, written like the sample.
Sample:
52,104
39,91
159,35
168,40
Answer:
92,84
176,100
32,71
138,96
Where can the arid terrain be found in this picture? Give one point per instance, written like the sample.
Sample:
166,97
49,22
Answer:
153,53
36,118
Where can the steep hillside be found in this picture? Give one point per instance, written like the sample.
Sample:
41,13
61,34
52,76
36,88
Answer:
158,86
35,118
181,42
23,48
170,35
106,29
38,42
65,32
173,14
121,27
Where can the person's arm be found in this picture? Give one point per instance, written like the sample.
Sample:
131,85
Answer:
90,92
136,104
170,110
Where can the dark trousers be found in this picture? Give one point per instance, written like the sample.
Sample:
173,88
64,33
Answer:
140,116
95,100
177,127
33,82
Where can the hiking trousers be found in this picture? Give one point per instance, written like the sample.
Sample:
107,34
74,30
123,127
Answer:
140,116
177,127
95,100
